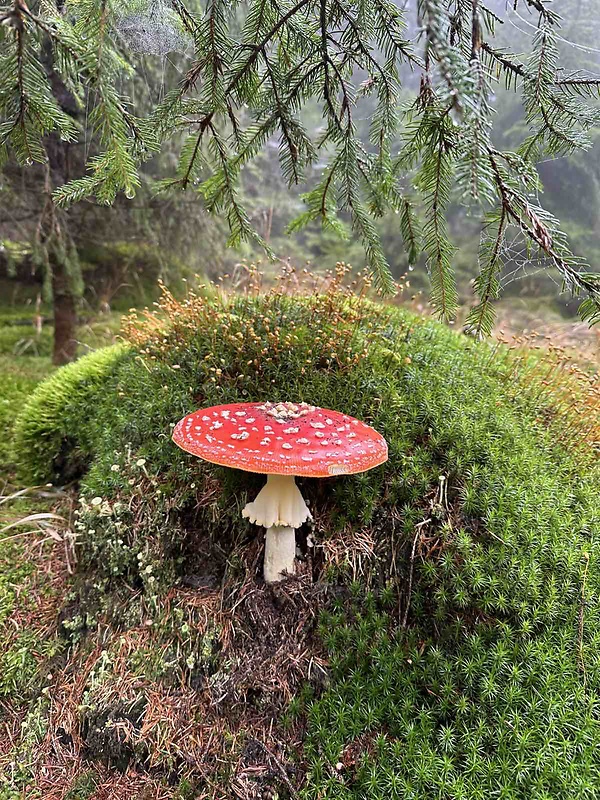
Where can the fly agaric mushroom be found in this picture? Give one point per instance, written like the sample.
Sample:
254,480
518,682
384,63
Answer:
281,440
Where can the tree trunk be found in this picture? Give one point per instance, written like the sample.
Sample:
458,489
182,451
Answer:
64,290
65,316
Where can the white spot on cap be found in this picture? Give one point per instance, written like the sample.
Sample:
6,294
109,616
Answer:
337,469
287,445
291,430
302,441
317,425
319,435
242,436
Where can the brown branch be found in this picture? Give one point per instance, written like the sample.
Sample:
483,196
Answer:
520,70
476,40
538,233
578,82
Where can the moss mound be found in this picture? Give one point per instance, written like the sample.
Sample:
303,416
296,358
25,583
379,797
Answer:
442,637
52,439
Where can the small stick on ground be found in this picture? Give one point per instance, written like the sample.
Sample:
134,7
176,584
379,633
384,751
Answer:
294,794
586,556
412,569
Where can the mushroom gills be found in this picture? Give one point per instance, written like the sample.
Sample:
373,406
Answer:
280,508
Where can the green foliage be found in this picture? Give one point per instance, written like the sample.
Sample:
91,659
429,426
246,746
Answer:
122,274
434,133
52,439
28,107
487,284
18,381
260,68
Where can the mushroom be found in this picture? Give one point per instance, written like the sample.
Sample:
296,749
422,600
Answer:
281,440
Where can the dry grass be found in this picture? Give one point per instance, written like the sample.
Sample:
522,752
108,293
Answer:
581,341
566,395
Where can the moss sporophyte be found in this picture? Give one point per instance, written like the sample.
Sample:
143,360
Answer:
282,441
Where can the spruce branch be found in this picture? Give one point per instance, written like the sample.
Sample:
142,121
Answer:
540,228
257,66
480,319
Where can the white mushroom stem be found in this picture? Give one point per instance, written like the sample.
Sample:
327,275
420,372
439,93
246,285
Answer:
280,508
280,553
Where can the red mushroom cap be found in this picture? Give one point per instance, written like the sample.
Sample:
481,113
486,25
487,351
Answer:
281,439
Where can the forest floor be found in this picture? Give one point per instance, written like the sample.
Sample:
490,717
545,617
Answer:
34,559
25,350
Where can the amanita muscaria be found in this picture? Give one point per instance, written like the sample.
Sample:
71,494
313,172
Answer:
281,441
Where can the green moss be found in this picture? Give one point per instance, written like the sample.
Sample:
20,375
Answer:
18,382
84,786
464,645
52,440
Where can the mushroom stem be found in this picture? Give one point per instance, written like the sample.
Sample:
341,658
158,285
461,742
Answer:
280,553
280,508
